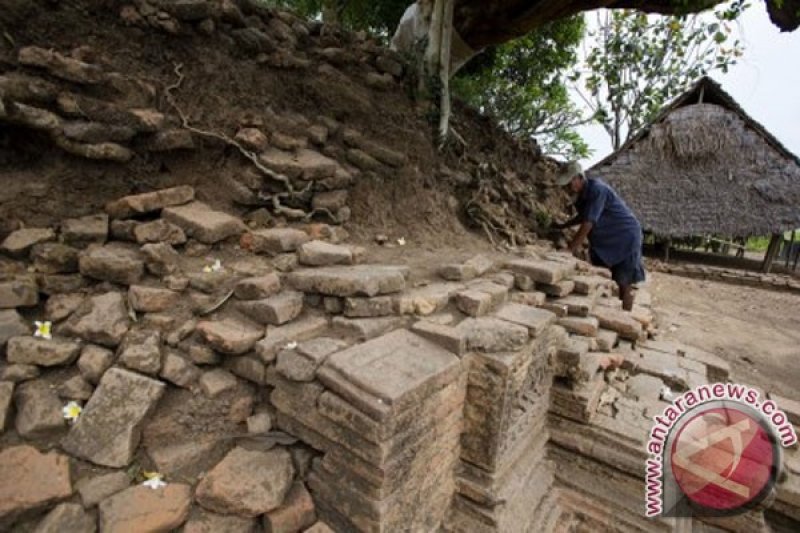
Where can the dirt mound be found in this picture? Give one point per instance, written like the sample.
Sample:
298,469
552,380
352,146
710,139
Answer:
276,118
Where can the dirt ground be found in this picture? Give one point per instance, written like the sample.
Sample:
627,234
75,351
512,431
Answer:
756,330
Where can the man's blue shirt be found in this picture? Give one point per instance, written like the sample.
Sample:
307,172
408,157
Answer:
616,234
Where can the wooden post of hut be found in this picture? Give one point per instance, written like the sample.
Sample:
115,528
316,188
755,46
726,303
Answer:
772,252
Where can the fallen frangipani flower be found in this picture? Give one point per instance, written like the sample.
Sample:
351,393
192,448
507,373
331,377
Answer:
401,241
43,329
666,394
154,480
215,267
72,411
291,346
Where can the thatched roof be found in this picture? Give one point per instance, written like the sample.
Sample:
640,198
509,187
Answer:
704,166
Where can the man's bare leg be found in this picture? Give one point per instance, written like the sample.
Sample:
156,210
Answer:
626,295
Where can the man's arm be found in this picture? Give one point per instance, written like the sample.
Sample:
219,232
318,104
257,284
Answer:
579,237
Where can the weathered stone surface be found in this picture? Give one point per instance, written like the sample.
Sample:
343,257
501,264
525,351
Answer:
113,263
38,409
536,320
230,336
178,370
330,200
202,521
200,354
278,337
387,373
359,280
60,306
158,231
141,350
606,339
295,514
301,363
426,300
617,320
367,328
38,479
215,382
11,325
320,253
472,268
559,289
304,164
161,258
94,361
182,458
6,397
488,334
55,258
474,303
148,202
643,387
247,367
92,228
277,240
21,292
61,66
211,282
19,373
275,310
588,284
258,288
151,299
93,490
247,482
141,508
587,326
101,319
259,423
42,352
362,160
541,271
75,388
445,336
368,307
204,224
20,241
108,431
67,517
319,527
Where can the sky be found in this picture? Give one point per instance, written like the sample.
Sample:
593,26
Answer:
765,82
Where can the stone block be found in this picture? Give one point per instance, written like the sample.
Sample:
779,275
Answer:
320,253
535,319
359,280
275,310
541,271
18,293
389,373
278,337
230,336
277,240
202,223
112,262
587,326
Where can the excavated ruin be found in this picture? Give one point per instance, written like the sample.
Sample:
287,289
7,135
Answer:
198,331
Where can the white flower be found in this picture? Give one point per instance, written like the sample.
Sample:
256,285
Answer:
215,267
72,411
154,480
43,329
401,241
291,346
666,394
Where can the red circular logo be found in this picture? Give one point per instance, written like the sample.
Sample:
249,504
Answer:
723,458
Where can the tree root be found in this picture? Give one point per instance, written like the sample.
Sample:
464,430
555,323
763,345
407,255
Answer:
251,156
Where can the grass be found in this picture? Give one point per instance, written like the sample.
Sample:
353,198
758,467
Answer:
757,244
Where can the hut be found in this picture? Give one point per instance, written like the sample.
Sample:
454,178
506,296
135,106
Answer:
704,167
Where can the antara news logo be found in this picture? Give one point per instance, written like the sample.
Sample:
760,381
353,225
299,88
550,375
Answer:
716,450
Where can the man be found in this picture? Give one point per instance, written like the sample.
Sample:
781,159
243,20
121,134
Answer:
615,236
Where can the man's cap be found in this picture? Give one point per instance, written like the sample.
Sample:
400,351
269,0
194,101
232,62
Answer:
572,169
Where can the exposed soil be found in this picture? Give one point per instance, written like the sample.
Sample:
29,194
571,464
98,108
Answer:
756,330
223,89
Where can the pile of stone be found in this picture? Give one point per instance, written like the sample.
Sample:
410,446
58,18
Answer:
308,162
280,378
